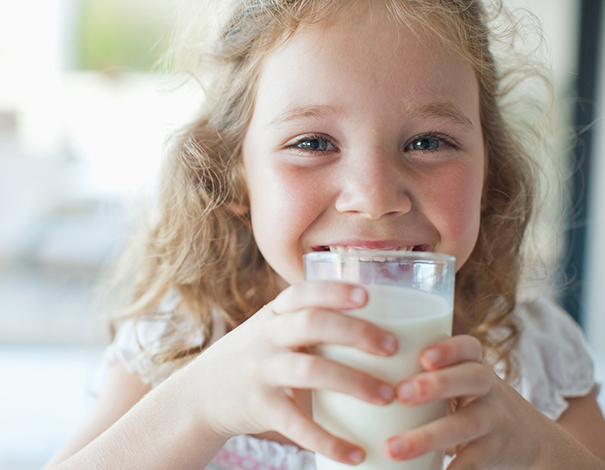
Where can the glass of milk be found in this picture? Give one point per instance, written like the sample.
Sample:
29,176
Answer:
411,294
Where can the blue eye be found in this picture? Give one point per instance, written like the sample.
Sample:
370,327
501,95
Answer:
313,144
425,143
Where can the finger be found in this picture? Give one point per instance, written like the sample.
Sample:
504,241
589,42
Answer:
325,294
293,423
467,425
472,456
307,371
462,380
459,348
309,327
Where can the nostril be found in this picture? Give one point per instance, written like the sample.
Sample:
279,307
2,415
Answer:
376,200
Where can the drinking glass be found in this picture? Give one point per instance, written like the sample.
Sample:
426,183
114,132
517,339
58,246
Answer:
410,294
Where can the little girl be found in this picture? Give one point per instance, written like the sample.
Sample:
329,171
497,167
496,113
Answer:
350,124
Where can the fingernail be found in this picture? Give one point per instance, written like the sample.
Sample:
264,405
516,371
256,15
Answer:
358,295
356,456
387,392
396,448
389,343
406,391
432,355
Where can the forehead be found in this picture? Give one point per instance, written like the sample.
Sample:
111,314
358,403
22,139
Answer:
331,63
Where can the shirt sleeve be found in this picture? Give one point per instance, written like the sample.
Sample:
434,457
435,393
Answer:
137,342
554,359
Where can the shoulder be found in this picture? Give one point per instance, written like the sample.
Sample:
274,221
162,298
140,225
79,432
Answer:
139,343
545,314
554,360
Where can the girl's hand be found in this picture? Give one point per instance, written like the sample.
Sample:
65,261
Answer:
249,379
491,426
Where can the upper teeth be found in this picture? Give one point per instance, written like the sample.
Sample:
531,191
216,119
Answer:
351,249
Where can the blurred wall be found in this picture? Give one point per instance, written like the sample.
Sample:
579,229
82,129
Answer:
594,295
81,133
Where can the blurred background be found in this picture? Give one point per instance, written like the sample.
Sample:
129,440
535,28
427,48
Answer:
84,112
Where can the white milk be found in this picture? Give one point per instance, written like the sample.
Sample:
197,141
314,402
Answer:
418,319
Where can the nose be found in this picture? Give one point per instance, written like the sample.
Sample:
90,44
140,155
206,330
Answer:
374,187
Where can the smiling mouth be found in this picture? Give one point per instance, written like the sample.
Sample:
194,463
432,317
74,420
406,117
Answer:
351,249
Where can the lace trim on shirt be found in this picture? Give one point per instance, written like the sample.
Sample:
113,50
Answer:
137,342
247,452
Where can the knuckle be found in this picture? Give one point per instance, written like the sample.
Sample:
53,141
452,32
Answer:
467,427
487,381
431,386
364,331
334,448
307,319
267,369
293,428
439,385
332,292
420,442
477,369
308,365
270,372
482,376
475,347
365,384
337,290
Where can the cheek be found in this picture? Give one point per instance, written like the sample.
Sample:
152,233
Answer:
283,204
282,200
458,201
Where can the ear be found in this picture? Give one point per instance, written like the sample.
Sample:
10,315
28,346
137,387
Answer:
238,208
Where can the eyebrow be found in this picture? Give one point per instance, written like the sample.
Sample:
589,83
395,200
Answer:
444,109
304,112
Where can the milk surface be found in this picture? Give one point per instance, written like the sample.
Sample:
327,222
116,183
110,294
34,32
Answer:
418,319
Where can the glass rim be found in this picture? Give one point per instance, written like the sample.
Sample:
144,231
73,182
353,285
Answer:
394,255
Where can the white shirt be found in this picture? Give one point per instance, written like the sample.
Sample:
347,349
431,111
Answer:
552,356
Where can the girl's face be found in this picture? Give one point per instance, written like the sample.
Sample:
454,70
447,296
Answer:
364,136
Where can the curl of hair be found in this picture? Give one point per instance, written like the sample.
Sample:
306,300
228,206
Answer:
205,250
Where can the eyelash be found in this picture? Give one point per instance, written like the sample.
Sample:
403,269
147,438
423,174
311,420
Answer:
444,141
307,138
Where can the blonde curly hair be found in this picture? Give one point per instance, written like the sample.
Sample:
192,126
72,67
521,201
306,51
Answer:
198,246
